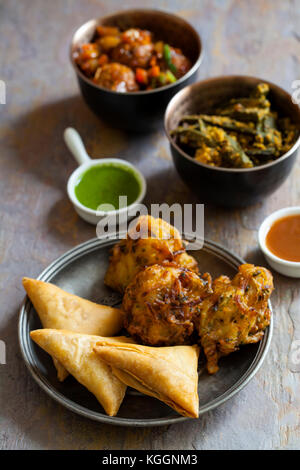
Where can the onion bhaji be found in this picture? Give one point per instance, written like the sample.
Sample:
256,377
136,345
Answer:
150,241
167,302
236,313
160,304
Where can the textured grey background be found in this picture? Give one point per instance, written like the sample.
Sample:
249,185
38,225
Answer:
38,223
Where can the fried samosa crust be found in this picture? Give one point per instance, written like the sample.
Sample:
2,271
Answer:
166,373
75,352
58,309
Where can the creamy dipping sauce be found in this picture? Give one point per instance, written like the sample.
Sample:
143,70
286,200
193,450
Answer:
283,238
104,183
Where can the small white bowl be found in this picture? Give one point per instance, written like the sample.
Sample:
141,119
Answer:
75,145
94,216
285,267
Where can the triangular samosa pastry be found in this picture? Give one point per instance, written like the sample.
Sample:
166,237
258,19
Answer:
75,352
60,310
167,373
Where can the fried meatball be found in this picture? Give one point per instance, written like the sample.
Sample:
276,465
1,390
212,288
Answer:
133,55
236,313
150,241
160,304
182,63
116,77
136,48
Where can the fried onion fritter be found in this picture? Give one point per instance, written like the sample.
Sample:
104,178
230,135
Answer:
150,241
160,304
236,313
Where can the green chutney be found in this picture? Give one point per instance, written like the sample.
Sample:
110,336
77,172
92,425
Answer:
104,183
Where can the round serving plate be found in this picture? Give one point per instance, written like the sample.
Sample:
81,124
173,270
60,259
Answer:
81,271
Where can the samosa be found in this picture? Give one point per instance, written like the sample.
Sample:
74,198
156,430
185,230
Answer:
58,309
167,373
75,352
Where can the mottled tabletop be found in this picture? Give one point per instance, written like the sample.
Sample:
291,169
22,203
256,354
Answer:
38,223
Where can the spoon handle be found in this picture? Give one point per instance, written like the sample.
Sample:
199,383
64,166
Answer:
75,145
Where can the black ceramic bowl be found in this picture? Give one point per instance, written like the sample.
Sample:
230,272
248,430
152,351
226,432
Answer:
143,110
226,186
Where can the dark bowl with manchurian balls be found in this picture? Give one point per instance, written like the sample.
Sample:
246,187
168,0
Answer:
137,110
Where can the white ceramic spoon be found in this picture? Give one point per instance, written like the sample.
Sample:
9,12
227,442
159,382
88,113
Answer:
76,147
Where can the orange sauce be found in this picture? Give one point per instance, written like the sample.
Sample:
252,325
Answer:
283,238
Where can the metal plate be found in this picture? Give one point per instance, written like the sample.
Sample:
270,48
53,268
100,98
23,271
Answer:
81,271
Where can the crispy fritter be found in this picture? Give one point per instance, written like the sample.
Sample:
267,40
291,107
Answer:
160,304
186,261
236,313
149,242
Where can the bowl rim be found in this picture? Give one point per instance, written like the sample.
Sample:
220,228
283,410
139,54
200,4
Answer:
192,70
98,162
264,230
177,98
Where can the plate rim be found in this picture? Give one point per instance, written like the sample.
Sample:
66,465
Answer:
84,248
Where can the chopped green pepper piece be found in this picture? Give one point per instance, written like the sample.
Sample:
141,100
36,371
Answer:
168,58
162,78
170,77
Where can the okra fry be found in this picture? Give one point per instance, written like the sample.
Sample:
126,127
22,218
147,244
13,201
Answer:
193,135
229,124
229,148
267,152
240,112
236,155
261,90
242,133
